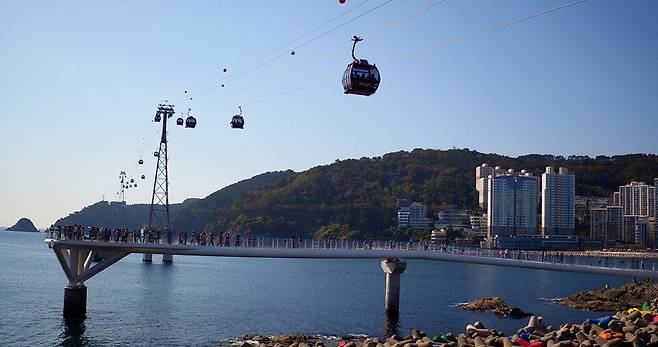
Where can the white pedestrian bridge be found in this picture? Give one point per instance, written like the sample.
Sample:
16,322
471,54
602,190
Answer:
76,258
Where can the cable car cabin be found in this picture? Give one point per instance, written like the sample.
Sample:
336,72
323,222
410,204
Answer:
143,177
237,122
156,154
132,180
141,162
135,185
180,121
190,122
157,117
361,78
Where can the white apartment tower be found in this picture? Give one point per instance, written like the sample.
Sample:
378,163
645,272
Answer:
558,197
482,172
513,205
637,199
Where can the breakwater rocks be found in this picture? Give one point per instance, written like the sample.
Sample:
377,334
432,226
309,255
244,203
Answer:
495,304
612,299
636,327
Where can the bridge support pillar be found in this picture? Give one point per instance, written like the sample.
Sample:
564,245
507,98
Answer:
167,258
393,268
75,302
147,258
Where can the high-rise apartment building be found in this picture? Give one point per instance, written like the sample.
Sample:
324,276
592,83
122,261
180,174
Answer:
558,195
655,199
642,231
513,202
598,223
482,174
615,222
637,199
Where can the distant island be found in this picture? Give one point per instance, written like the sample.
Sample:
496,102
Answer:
23,224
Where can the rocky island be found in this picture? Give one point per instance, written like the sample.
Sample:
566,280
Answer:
495,304
612,299
23,224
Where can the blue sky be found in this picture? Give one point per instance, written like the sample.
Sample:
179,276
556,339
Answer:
80,80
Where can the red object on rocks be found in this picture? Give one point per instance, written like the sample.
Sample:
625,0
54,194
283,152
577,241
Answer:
524,343
342,343
655,319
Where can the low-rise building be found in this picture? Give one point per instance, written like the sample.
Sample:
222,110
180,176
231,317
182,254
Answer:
412,214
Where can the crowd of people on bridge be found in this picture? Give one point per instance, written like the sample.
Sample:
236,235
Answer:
208,238
228,239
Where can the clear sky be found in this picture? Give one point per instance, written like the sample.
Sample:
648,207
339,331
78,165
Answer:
80,81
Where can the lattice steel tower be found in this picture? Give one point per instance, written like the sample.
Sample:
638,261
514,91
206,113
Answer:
159,213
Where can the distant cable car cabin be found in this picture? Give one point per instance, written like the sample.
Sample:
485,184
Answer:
190,122
132,180
360,77
156,154
141,162
237,122
143,177
180,121
157,117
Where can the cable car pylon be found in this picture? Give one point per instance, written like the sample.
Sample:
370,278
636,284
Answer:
159,211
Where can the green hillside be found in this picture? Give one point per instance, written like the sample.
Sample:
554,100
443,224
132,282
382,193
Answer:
115,215
356,198
362,193
191,214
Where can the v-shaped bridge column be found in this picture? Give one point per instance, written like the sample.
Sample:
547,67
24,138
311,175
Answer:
77,265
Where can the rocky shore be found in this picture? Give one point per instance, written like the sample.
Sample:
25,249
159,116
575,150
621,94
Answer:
495,304
612,299
635,327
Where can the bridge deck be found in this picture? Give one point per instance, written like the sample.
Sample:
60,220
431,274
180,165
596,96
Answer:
341,253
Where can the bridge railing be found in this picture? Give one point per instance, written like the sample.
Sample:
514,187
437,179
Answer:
222,240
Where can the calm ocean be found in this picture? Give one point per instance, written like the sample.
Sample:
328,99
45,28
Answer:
202,301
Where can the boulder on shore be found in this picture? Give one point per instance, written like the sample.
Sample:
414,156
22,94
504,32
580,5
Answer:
23,224
612,299
495,304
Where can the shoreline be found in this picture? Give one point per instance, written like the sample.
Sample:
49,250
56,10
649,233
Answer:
635,327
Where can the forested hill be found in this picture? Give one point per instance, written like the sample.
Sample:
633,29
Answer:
361,193
115,215
187,214
357,197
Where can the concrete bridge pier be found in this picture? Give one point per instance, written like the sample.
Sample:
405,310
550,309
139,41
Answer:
75,302
147,257
393,268
167,258
78,266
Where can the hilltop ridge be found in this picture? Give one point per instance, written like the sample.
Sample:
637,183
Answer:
358,195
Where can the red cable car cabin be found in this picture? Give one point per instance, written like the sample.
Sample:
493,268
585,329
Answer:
361,78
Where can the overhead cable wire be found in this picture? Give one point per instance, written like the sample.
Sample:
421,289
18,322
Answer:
375,33
489,29
406,18
326,54
213,86
258,101
245,88
315,38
